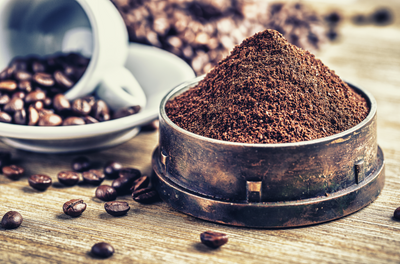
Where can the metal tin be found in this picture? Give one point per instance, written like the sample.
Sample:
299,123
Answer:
268,185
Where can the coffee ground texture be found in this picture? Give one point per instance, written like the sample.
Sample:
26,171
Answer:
268,91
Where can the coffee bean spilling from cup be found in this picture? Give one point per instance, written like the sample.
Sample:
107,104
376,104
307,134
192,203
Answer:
32,93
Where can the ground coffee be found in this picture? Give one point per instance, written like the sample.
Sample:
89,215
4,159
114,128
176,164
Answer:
268,91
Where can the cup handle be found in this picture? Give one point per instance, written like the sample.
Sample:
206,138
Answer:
119,88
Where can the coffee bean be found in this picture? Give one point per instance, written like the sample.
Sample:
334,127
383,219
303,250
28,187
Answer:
25,86
4,99
5,118
127,111
33,116
112,168
130,173
106,193
68,178
38,66
213,239
20,117
62,80
100,111
102,250
34,96
19,94
39,181
44,112
90,100
123,184
22,76
141,183
8,85
73,121
397,213
13,105
145,196
81,164
90,120
5,158
61,103
13,172
6,73
94,177
50,120
152,126
74,207
43,79
117,208
81,107
11,220
38,105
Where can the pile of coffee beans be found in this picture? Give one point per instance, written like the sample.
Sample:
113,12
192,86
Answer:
32,93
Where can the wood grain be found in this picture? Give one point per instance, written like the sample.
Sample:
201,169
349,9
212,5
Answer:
367,56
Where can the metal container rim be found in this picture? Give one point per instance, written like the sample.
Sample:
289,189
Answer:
191,83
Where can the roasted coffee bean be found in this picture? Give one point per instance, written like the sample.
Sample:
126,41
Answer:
100,111
22,76
61,103
397,213
25,86
11,220
4,99
38,105
80,164
112,168
123,184
90,120
126,111
94,177
102,250
38,66
130,173
13,105
141,183
74,207
62,80
81,107
48,102
19,64
43,79
33,116
68,178
20,117
106,193
13,172
39,181
90,100
145,196
8,85
50,120
73,121
117,208
5,158
19,94
152,126
6,74
5,117
213,239
34,96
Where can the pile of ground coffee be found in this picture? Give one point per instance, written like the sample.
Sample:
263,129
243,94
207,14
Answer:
268,91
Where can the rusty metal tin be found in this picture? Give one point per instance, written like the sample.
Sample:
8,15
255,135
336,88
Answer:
268,185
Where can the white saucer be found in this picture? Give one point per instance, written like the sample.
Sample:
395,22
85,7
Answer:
156,70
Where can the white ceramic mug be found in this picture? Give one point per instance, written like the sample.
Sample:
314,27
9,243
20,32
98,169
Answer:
93,28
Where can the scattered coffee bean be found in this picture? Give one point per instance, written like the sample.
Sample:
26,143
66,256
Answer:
73,121
74,207
117,208
39,181
94,177
106,193
141,183
123,184
11,220
13,172
130,173
126,111
50,120
102,250
112,168
145,196
80,164
213,239
397,213
152,126
5,158
68,178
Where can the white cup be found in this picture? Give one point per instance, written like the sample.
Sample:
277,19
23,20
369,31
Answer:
93,28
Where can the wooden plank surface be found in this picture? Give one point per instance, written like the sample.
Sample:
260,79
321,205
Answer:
367,56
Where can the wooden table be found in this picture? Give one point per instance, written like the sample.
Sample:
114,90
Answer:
367,56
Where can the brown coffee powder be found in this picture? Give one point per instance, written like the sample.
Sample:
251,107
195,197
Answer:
268,91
